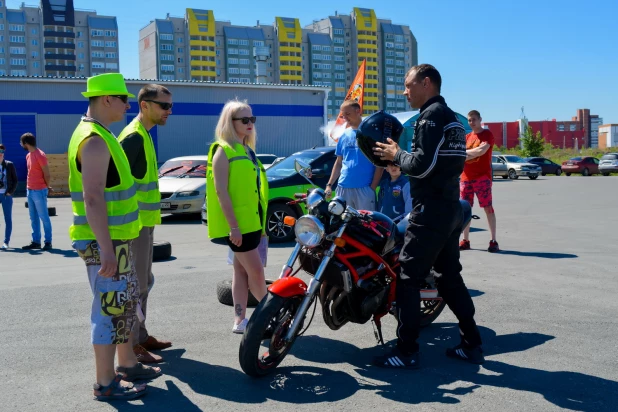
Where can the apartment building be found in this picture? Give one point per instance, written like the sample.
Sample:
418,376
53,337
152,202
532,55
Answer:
327,53
55,39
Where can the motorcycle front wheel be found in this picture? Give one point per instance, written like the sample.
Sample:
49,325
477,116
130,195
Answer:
430,310
263,347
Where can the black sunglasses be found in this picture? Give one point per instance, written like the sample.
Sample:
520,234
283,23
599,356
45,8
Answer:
246,120
124,98
162,105
1,151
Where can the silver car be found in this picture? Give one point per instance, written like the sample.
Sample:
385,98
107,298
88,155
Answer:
608,164
511,167
182,183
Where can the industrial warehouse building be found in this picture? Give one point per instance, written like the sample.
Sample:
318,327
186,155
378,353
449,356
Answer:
290,117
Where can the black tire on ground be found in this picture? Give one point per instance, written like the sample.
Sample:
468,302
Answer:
586,172
532,177
558,171
505,177
513,174
568,174
276,314
275,229
161,251
605,173
224,293
543,173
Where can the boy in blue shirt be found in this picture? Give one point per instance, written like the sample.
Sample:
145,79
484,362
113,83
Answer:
394,198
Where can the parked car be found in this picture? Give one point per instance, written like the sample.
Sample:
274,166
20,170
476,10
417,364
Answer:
608,164
268,159
586,165
547,166
511,166
182,183
284,181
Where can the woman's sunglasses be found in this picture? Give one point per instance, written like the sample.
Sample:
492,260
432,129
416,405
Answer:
246,120
162,105
1,151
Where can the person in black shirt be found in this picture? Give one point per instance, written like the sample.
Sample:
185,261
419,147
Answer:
155,106
431,241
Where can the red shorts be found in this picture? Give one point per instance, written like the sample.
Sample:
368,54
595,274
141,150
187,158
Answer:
481,187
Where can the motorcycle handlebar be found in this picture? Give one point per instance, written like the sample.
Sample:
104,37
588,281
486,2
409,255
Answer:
300,195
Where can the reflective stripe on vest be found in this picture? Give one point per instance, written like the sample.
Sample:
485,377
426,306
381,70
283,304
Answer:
148,195
108,196
111,220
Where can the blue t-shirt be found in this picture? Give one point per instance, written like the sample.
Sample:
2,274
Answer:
394,197
357,171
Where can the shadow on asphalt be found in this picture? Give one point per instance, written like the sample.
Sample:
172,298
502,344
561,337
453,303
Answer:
68,253
546,255
433,383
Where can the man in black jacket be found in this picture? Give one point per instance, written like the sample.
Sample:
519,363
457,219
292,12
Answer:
8,185
431,241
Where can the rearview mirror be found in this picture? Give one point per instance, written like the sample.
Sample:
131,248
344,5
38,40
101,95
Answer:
304,169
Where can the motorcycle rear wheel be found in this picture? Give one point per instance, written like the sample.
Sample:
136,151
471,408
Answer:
430,310
267,327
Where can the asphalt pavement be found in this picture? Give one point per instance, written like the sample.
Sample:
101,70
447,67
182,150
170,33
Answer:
546,306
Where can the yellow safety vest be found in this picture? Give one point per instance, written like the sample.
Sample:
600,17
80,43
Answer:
243,190
121,200
148,195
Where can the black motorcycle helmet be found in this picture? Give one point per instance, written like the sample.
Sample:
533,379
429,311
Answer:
377,128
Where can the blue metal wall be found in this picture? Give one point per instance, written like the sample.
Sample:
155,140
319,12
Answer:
11,129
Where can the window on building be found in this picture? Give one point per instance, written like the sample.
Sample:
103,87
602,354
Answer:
34,31
17,50
111,44
18,73
167,67
390,61
96,33
16,27
243,52
180,40
167,57
243,42
338,32
389,45
232,51
111,66
338,40
181,50
181,70
245,71
233,80
97,43
98,65
17,39
218,52
232,41
316,47
233,70
111,55
97,54
80,44
339,50
244,61
258,43
110,33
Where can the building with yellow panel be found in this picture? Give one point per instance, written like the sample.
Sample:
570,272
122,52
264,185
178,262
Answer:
289,50
327,52
201,30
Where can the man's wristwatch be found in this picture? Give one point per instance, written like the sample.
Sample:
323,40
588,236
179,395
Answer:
328,184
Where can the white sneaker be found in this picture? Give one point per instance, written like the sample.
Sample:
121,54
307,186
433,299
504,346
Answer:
240,328
5,246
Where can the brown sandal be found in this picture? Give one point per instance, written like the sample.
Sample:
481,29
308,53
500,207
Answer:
116,391
138,372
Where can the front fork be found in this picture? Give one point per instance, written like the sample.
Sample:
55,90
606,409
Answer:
314,284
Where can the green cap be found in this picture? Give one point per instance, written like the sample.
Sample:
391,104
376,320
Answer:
108,84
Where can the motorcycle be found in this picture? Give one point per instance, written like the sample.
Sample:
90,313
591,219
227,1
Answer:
352,256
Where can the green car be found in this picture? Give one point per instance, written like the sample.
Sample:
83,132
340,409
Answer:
284,181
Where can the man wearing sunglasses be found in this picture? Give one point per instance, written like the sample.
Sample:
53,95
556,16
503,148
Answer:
155,105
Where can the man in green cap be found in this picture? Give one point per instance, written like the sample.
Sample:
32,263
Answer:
105,222
155,105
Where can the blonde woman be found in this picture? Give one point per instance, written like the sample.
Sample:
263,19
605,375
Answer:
237,197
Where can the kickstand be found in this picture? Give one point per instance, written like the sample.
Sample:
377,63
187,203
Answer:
377,330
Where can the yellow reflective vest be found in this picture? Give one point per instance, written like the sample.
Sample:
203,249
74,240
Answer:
121,200
148,195
244,192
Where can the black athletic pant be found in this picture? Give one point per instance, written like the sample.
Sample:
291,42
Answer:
432,241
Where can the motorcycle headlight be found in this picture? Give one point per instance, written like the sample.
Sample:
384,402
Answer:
309,231
337,206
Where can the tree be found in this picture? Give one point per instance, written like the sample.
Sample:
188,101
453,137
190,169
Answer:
533,143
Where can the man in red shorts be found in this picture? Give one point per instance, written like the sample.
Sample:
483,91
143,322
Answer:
477,177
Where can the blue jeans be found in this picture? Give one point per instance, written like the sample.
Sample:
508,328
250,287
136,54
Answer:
7,209
37,205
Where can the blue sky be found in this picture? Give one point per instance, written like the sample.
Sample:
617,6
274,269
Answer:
551,57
